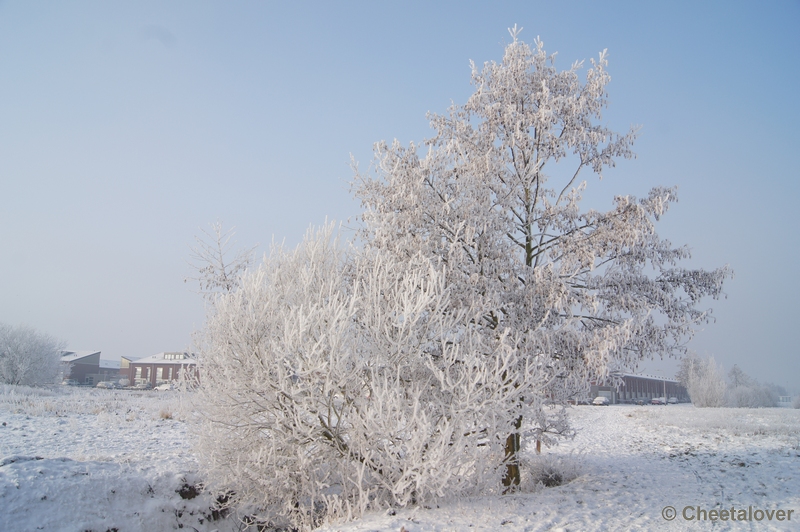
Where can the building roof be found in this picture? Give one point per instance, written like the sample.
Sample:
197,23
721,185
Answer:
620,375
75,356
651,377
168,357
109,364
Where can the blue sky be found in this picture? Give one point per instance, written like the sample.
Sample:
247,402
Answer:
126,128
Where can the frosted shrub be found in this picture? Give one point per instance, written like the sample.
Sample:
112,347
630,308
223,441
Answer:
750,397
334,383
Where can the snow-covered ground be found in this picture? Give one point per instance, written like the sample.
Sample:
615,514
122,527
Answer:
78,459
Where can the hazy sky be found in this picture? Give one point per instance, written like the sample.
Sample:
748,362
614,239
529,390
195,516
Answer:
126,128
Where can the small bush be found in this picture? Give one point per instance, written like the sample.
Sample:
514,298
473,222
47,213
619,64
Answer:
547,470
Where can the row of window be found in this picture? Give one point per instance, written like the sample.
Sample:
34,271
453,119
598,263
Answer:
161,375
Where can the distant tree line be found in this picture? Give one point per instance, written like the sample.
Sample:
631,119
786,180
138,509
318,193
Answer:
703,379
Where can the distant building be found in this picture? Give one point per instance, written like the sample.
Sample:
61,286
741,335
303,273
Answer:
161,368
640,387
108,371
785,401
87,368
81,366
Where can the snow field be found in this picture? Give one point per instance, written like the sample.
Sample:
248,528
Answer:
86,459
80,459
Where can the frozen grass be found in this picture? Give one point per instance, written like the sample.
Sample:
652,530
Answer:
66,401
746,422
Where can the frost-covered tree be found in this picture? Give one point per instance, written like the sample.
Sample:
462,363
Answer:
495,198
704,381
336,381
28,357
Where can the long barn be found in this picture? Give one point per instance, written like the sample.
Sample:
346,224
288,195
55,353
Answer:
633,388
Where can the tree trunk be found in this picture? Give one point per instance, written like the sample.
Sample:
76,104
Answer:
512,477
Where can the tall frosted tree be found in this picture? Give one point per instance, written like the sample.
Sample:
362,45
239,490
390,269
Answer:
494,198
